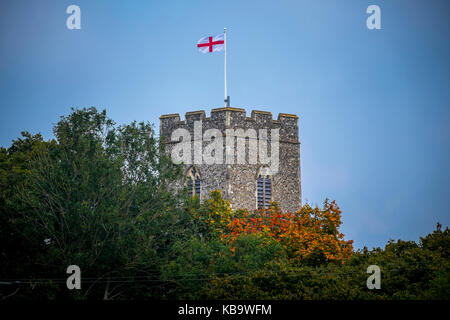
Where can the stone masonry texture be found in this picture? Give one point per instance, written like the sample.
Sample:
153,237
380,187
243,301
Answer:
238,182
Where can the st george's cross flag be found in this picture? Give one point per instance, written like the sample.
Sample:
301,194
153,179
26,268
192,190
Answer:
211,44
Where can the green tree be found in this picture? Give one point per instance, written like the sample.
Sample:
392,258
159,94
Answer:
16,248
102,196
99,197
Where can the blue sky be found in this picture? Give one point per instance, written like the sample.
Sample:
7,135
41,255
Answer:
374,105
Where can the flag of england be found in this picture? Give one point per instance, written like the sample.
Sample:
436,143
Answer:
211,44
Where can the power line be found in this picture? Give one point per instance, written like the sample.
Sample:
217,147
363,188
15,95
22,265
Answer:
185,277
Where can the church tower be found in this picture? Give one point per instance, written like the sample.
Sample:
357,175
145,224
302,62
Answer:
247,185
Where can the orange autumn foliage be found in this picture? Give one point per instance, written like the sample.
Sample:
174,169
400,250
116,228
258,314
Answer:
309,236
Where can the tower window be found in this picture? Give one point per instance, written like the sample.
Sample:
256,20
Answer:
194,182
264,188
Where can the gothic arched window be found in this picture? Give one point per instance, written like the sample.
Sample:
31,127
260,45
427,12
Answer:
264,188
194,182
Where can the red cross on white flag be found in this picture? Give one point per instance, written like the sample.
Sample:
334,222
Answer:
211,44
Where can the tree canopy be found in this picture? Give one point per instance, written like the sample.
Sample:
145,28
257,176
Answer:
100,195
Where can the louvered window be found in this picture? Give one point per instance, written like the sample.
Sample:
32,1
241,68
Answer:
264,188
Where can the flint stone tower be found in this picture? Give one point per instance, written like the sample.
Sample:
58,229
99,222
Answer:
248,186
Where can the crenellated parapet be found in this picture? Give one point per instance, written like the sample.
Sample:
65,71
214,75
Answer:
234,118
237,167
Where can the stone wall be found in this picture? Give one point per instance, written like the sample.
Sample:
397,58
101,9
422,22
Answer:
238,182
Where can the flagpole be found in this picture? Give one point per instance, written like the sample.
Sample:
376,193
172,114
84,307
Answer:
226,100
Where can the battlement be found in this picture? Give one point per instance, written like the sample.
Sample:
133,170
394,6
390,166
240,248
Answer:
224,118
238,180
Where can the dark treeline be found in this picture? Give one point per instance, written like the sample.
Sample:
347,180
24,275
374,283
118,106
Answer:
99,196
